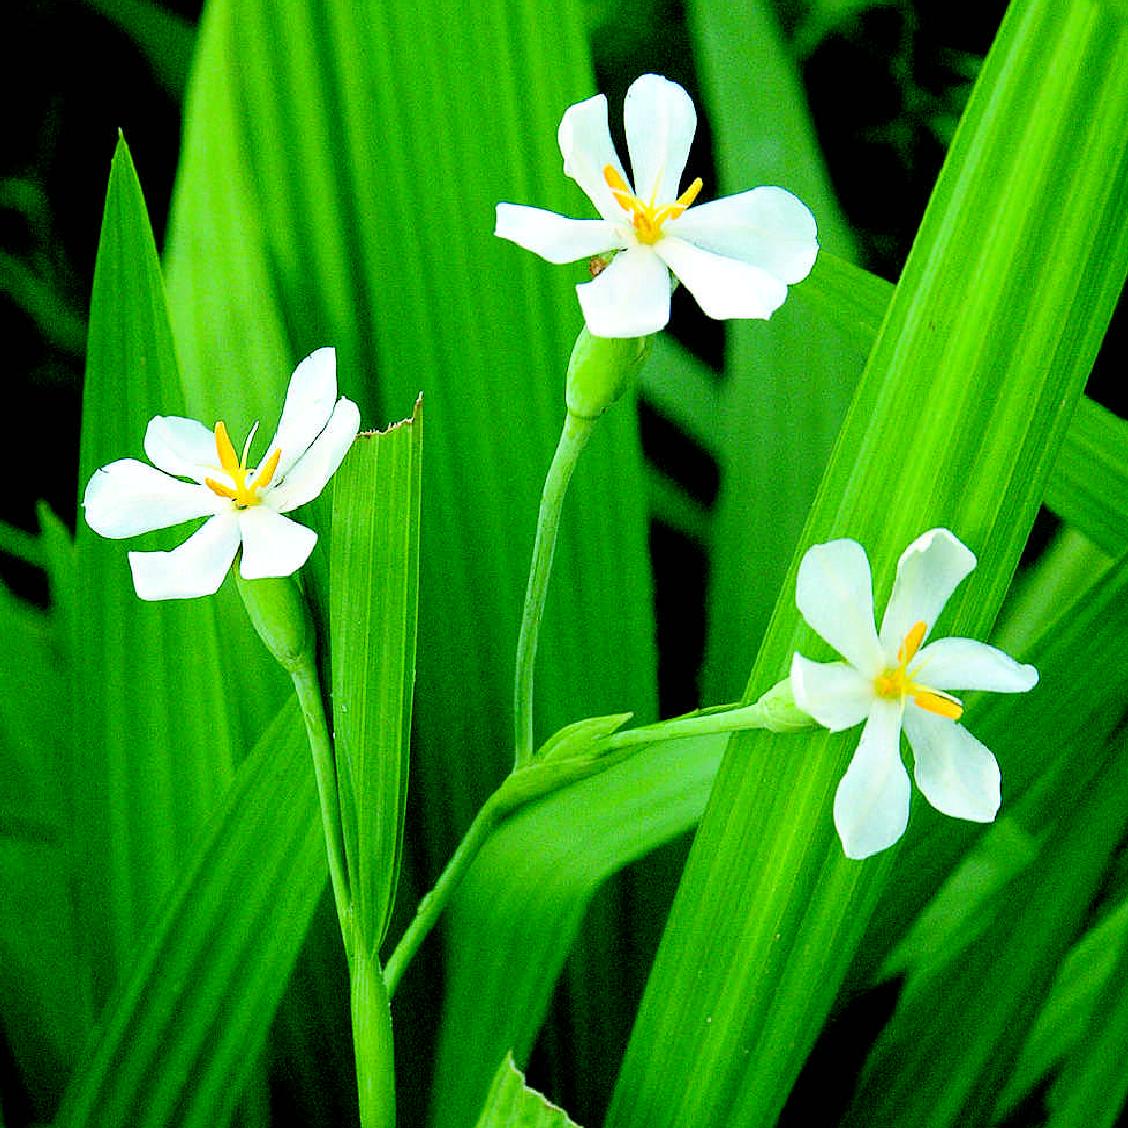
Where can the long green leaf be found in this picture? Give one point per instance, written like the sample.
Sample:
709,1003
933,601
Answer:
182,1035
1092,1087
965,399
152,745
373,598
1067,1017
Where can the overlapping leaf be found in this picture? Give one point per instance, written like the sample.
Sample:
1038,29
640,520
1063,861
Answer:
1000,333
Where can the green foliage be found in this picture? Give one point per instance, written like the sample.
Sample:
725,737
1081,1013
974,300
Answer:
161,858
182,1036
940,431
511,1104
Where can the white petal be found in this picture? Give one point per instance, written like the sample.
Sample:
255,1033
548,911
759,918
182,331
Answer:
871,806
585,144
834,593
723,287
309,403
555,237
660,121
930,569
834,693
766,227
963,663
955,772
196,568
273,545
181,446
631,298
308,477
127,497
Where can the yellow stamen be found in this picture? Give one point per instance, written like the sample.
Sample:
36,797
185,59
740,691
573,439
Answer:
243,493
932,701
228,459
907,650
266,471
898,682
647,218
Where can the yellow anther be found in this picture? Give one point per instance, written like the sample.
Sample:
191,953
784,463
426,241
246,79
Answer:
266,471
932,701
907,651
228,459
897,682
243,493
647,218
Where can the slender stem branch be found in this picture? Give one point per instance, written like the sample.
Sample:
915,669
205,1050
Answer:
573,438
774,711
435,901
734,719
307,684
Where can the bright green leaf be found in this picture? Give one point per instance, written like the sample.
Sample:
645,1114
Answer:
153,749
512,1104
373,596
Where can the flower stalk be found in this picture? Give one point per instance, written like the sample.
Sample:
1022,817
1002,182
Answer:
573,438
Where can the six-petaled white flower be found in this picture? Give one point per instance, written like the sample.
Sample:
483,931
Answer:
245,506
891,681
736,255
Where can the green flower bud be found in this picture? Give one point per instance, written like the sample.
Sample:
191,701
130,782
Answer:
280,616
600,370
780,713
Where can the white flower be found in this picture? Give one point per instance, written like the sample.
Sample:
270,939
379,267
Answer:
891,682
244,506
735,255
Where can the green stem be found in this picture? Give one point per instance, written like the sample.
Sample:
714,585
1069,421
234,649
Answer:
573,438
432,905
710,723
307,684
372,1041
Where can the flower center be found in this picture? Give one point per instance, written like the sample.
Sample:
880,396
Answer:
244,493
897,682
648,218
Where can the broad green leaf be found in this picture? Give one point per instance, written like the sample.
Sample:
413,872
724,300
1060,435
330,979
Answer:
512,1104
153,750
183,1033
964,401
519,909
374,565
1089,488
